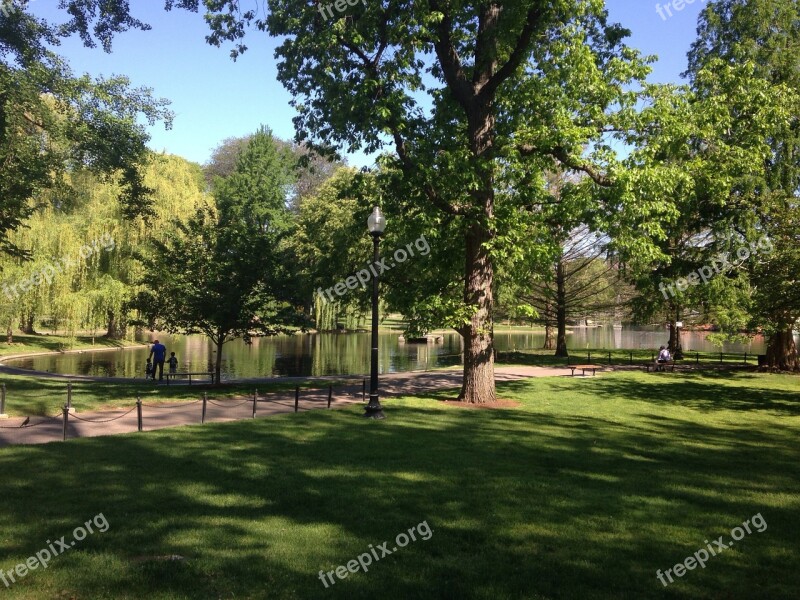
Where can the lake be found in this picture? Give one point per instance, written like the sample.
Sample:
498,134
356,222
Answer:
346,353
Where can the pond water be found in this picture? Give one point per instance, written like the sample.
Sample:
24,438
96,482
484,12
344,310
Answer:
345,353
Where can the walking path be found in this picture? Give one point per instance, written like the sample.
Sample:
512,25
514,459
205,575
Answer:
40,430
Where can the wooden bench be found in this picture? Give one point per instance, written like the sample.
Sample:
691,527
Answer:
584,368
189,375
660,366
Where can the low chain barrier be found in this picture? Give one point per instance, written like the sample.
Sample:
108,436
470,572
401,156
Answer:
67,412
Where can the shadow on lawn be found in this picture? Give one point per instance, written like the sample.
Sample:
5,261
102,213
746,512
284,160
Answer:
700,390
522,505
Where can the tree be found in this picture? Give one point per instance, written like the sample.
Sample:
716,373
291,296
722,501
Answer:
310,169
222,273
765,34
52,122
331,243
580,283
513,90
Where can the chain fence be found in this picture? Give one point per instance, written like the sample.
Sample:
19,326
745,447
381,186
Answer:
62,425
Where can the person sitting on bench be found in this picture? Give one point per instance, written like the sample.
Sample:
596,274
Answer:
663,358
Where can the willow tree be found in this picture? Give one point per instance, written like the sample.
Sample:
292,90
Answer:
53,122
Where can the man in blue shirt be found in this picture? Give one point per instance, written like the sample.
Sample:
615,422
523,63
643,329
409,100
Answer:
158,352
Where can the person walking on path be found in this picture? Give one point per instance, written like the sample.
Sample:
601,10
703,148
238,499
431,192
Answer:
158,352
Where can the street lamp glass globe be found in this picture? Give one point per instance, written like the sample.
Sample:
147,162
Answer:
376,222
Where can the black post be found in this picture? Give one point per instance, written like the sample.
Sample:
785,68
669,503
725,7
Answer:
364,390
374,410
255,399
205,399
745,362
609,358
697,358
3,399
66,418
296,397
720,358
139,411
69,395
589,356
330,394
630,358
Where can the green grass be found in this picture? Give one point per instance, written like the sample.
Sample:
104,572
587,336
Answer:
28,396
583,491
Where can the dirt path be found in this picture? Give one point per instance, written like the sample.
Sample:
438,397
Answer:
41,430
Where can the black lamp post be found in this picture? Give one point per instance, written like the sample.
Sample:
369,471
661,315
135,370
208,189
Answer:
376,223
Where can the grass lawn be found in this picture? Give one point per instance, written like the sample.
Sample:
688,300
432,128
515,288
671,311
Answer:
24,343
40,396
583,491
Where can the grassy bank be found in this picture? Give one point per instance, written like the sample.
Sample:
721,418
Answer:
25,343
584,490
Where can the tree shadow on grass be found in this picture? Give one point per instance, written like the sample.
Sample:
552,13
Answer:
522,505
703,391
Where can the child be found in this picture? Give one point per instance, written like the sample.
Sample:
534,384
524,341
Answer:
148,370
173,363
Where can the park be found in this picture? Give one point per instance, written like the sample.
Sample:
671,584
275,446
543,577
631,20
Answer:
400,300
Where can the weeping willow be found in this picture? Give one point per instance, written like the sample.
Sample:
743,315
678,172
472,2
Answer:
83,264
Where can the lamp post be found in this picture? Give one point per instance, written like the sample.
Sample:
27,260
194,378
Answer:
376,223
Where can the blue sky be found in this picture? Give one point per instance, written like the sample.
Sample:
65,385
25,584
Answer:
214,98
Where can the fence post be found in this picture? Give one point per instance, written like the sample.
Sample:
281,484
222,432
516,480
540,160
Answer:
139,411
630,358
255,399
205,399
720,358
364,390
66,418
609,358
296,397
745,362
3,414
330,394
697,358
69,395
589,356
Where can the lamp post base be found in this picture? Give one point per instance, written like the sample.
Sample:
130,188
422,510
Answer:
374,410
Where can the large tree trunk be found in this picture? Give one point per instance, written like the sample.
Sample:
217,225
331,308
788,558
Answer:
478,383
219,342
26,323
561,310
113,329
675,345
782,350
549,343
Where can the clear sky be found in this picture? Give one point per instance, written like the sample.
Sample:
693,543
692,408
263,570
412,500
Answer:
214,98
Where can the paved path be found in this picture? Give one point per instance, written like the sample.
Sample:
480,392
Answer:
41,430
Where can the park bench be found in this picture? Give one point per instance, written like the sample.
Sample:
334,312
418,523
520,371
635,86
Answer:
189,375
660,366
584,368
